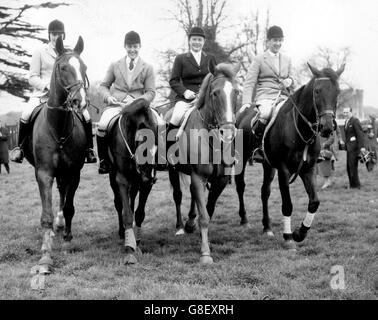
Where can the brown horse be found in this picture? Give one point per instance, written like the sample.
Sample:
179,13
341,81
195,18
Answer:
57,145
213,123
291,146
132,140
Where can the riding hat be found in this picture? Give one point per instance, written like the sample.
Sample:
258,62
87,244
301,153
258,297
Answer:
132,38
56,26
196,31
274,32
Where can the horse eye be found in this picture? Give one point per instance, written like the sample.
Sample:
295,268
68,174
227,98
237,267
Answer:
317,91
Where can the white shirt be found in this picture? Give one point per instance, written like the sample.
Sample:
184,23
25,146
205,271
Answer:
130,72
128,60
276,59
197,56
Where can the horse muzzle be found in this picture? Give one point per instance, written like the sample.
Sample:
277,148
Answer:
326,123
227,132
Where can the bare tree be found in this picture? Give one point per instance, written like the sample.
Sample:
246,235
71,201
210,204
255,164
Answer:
211,16
325,57
13,30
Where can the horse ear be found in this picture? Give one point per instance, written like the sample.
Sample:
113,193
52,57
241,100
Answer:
59,47
314,71
79,46
340,70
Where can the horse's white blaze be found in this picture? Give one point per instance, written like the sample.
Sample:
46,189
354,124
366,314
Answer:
308,220
287,224
74,62
228,90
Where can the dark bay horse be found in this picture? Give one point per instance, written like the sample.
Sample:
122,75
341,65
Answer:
132,140
57,144
214,114
291,147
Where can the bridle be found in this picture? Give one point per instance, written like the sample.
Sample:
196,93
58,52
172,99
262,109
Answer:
215,123
68,105
72,89
314,127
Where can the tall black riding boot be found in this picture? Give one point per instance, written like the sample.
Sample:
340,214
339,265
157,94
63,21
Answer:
258,130
17,154
170,141
89,153
102,150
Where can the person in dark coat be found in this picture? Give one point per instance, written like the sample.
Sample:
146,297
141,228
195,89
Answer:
4,154
327,157
355,144
189,70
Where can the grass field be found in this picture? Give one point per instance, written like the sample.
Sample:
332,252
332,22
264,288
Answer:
247,265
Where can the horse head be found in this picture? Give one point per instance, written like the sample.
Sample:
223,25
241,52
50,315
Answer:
218,95
325,90
140,124
68,86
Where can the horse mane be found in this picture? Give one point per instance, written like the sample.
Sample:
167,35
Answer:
222,68
136,106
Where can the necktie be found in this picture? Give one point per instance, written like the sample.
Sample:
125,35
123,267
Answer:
131,65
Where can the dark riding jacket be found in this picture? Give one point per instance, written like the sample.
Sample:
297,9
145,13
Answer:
188,75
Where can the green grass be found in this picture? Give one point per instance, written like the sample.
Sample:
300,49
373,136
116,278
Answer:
247,265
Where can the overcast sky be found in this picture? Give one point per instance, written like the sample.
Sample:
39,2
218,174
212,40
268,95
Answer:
307,24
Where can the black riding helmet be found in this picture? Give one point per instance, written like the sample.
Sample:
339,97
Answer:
56,26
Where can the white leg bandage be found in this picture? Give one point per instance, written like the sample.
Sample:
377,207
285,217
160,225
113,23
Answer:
308,220
287,224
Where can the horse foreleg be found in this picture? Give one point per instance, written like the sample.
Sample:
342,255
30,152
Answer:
174,178
199,191
269,174
117,203
240,188
215,191
127,219
308,179
45,182
69,209
59,220
287,207
145,189
190,225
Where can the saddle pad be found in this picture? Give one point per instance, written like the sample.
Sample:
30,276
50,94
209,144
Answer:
112,122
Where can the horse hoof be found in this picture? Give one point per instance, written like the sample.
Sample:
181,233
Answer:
45,269
46,259
138,251
180,232
205,260
299,235
67,246
130,259
268,233
190,228
290,245
243,221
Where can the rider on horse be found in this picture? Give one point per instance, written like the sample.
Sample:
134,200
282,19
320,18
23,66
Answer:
41,68
189,70
270,76
131,78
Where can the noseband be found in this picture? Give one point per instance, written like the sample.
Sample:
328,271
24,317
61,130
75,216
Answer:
71,89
